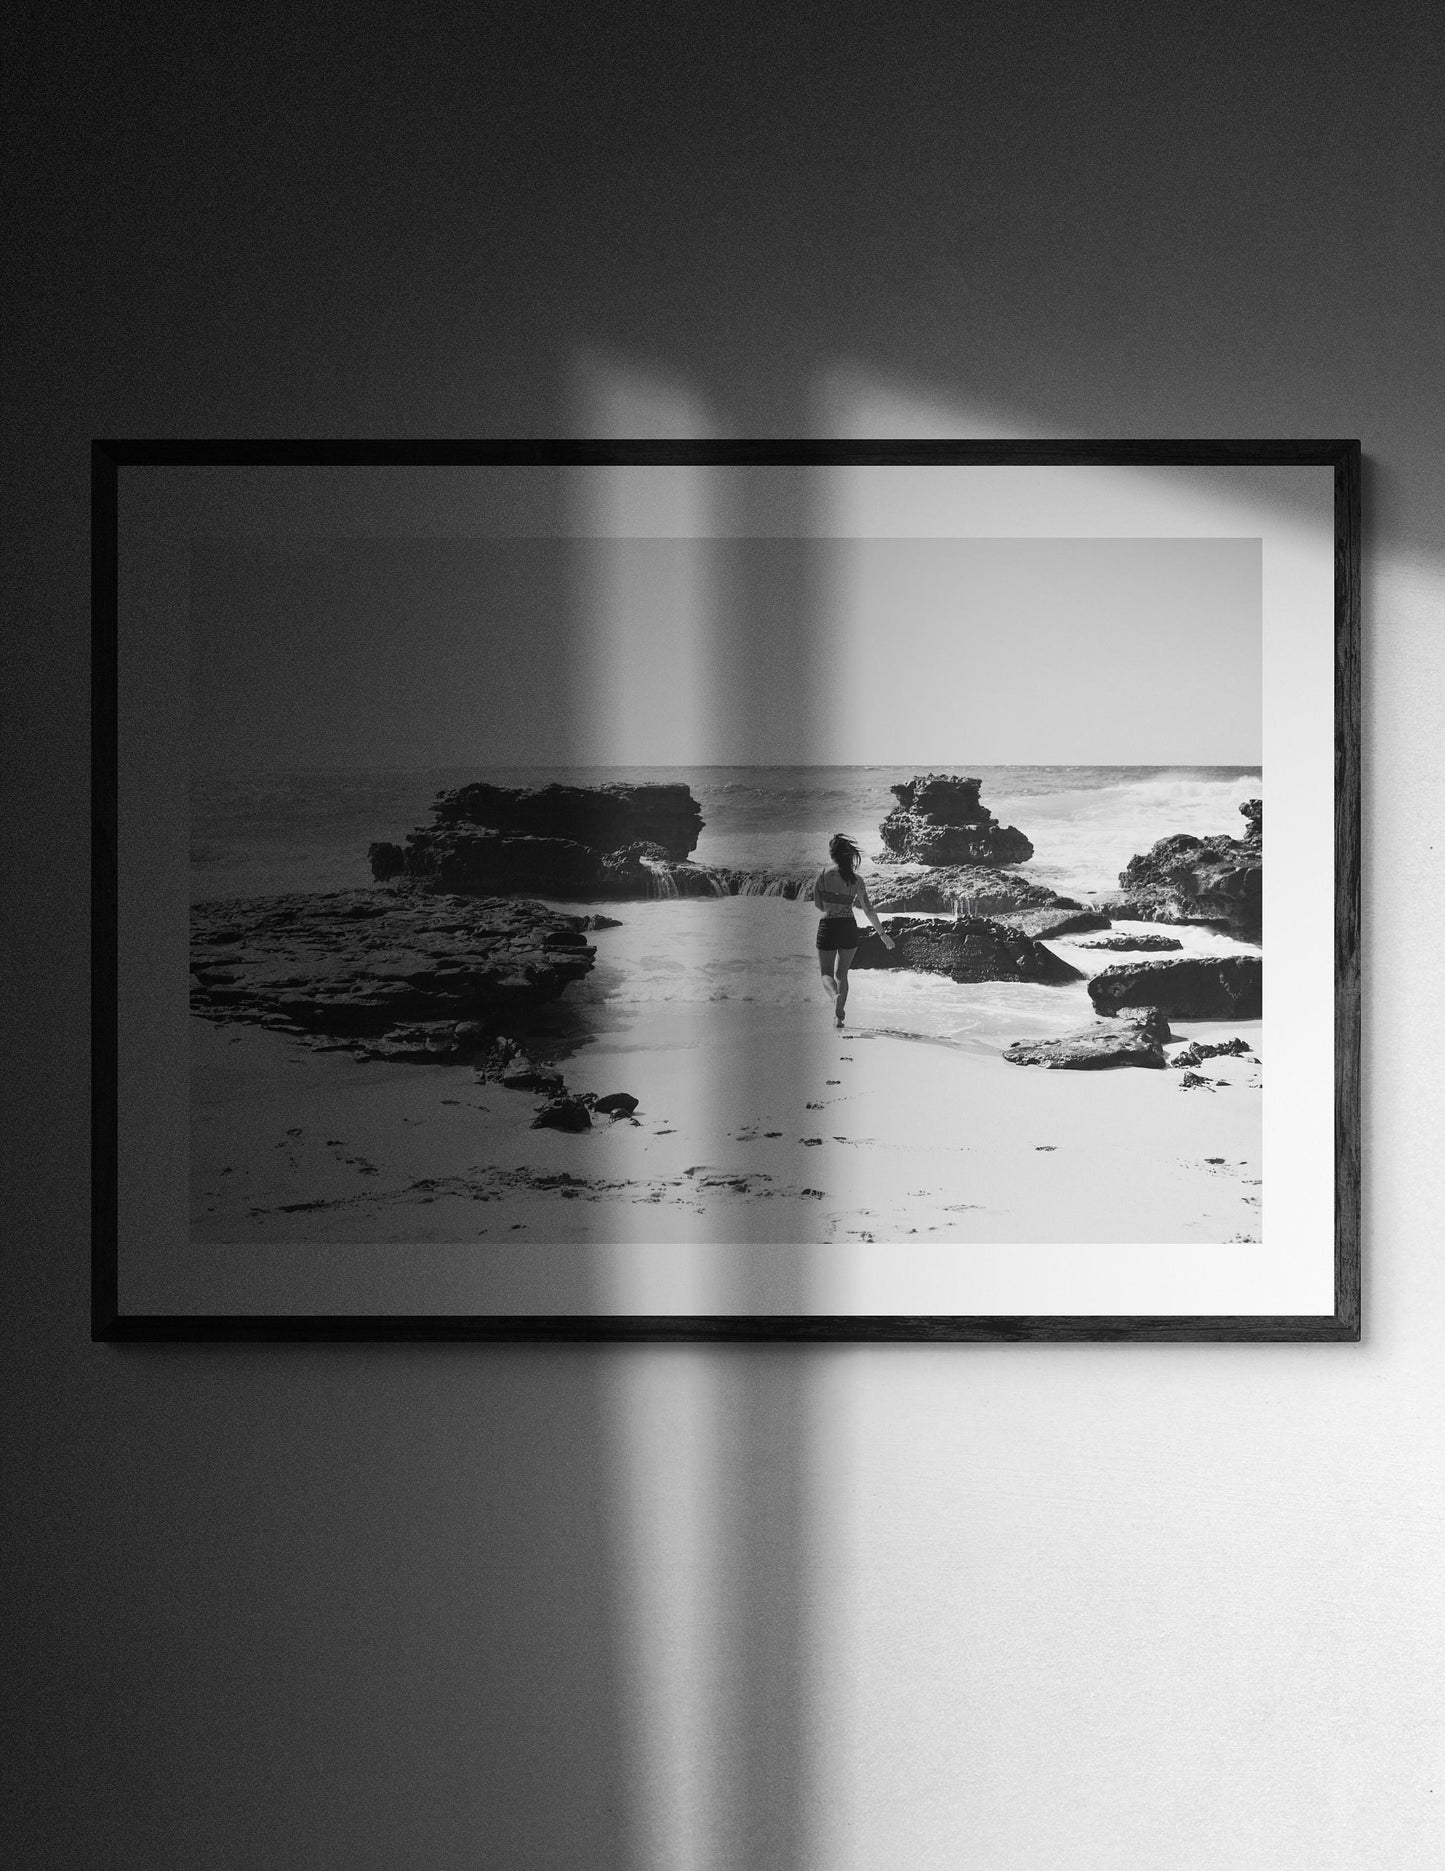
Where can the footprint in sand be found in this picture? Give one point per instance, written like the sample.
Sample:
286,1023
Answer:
833,1081
1046,1146
664,1133
772,1133
808,1142
813,1107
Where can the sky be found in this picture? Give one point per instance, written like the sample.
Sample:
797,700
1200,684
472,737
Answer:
394,653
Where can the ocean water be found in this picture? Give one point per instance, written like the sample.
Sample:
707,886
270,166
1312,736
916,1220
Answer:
255,834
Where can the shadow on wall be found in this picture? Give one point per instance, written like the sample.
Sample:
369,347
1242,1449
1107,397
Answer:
383,1633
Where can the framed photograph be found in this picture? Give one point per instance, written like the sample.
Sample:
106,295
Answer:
726,890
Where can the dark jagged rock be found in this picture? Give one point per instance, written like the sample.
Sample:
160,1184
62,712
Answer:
939,820
499,1054
365,963
558,841
605,818
970,949
563,1114
1131,1041
523,1075
1189,987
615,1104
1197,1051
969,890
1146,944
1184,879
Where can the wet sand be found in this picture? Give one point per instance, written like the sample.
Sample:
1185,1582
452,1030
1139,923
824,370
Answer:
754,1124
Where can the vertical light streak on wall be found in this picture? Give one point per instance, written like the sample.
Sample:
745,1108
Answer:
644,656
876,1805
854,404
664,1427
643,653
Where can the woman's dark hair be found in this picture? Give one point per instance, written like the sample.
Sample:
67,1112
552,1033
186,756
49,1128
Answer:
845,854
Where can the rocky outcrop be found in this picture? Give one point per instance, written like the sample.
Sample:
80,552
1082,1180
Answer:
971,949
556,841
563,1113
968,890
604,818
1188,987
958,890
1134,1040
417,975
1184,879
939,820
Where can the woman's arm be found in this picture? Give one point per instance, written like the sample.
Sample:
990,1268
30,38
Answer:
872,915
818,892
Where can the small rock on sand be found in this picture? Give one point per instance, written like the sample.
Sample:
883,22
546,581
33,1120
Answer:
563,1114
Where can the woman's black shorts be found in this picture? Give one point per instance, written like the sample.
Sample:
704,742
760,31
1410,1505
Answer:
837,932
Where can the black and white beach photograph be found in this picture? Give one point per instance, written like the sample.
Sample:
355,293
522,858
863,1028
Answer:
454,979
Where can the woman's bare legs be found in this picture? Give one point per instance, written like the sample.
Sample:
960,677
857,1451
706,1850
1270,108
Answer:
825,962
845,962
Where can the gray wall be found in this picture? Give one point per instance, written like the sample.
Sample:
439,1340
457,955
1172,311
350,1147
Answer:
1013,1606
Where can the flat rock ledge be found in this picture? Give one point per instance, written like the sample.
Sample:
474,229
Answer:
1136,1039
499,862
963,890
1137,944
408,973
1190,987
973,948
939,820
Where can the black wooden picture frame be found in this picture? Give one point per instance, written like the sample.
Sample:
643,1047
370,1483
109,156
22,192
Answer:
117,1237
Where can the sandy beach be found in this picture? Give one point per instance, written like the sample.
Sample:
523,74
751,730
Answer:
754,1123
